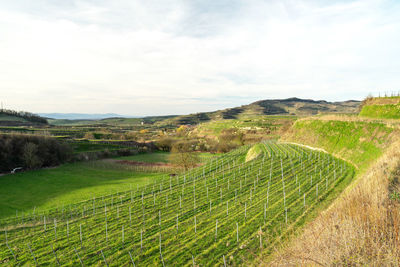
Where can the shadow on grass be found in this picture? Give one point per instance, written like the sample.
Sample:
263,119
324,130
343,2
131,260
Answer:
66,184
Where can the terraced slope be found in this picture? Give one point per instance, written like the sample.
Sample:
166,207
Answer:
355,140
222,212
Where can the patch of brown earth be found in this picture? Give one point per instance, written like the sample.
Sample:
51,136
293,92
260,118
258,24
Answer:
147,164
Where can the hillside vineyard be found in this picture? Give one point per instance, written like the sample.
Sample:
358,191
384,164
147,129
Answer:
221,213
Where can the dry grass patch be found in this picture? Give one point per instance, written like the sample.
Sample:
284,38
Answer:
382,100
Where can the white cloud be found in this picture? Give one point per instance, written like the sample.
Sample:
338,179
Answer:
143,57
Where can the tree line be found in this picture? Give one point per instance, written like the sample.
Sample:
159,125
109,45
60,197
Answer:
25,115
31,152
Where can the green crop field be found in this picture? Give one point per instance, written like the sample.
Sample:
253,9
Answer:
223,212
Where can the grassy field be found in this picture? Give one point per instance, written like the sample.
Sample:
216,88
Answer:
227,210
69,183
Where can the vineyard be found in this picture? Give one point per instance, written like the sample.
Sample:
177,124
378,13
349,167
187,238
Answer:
222,213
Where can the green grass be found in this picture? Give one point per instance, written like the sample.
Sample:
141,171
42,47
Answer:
69,183
263,198
356,141
388,111
255,151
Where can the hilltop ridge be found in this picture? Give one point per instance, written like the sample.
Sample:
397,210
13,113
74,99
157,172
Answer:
20,118
290,106
381,107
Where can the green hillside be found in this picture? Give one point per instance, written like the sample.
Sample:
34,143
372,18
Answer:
359,142
6,117
381,108
357,229
223,212
20,118
64,185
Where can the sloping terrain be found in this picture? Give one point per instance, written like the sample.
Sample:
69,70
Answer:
357,141
361,227
381,108
222,213
20,118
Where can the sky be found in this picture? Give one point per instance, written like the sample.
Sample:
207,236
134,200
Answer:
138,58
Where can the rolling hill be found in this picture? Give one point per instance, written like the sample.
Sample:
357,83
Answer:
289,106
20,118
79,116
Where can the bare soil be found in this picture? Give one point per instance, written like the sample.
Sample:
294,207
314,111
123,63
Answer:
147,164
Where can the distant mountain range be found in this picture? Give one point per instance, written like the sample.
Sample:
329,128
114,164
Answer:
82,116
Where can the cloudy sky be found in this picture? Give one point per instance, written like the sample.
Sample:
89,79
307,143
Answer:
148,57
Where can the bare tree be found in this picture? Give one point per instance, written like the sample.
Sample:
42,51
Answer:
30,157
183,154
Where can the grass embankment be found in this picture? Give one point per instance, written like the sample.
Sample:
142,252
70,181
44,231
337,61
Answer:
362,226
358,142
255,152
381,108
